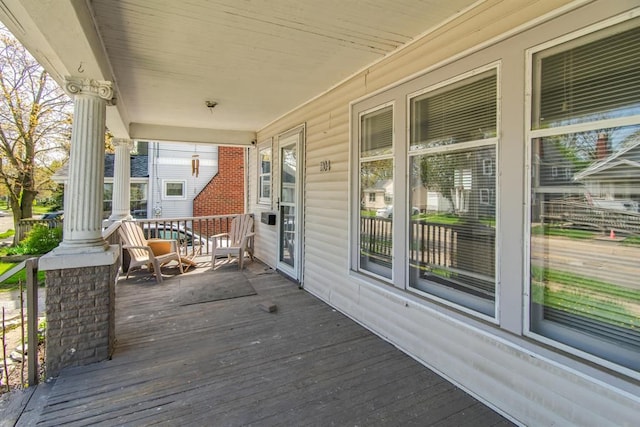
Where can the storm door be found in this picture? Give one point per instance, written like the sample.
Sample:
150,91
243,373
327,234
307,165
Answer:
290,203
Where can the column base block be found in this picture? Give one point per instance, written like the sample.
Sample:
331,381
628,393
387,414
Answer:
80,305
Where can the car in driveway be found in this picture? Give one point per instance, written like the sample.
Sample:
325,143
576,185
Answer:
189,241
54,215
4,213
387,212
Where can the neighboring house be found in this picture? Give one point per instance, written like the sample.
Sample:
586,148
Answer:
167,180
139,183
378,196
225,193
614,181
178,172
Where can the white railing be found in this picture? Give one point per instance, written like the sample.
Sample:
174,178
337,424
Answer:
192,233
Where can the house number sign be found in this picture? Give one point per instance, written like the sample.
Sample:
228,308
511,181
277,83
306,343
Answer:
325,165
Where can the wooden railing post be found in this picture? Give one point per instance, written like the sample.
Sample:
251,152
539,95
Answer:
32,320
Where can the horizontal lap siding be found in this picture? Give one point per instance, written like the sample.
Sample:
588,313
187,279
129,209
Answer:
265,241
518,382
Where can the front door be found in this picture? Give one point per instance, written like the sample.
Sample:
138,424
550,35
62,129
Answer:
289,203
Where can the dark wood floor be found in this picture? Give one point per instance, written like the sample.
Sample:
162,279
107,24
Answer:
229,363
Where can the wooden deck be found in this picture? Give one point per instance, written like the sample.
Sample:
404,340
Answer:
229,363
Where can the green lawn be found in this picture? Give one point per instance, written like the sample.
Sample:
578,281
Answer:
562,232
592,298
7,233
12,283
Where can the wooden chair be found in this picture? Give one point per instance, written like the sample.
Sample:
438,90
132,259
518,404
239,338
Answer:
152,253
236,242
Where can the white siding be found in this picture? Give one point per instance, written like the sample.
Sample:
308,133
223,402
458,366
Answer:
266,235
520,378
172,161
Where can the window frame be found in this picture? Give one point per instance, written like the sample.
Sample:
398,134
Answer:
260,197
400,96
166,196
133,181
566,42
491,141
357,262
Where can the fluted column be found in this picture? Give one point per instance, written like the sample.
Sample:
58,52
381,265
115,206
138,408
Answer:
121,197
82,230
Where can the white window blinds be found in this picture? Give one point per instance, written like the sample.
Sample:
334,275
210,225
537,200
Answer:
593,81
464,112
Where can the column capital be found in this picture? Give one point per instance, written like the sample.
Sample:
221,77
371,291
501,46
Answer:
100,88
122,142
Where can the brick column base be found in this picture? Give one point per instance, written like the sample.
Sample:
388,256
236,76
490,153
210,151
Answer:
80,304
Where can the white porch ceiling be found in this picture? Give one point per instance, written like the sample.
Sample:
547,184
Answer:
258,59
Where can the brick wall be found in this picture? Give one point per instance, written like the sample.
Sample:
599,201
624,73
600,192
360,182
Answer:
224,194
80,306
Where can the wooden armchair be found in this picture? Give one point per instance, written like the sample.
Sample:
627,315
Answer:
152,252
237,242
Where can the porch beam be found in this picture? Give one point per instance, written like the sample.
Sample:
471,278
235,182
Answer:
141,131
62,36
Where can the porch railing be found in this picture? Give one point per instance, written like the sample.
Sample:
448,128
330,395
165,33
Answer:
192,233
432,244
455,251
31,267
27,224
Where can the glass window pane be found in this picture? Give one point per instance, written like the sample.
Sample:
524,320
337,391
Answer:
584,244
174,188
583,82
376,217
264,175
461,112
377,133
452,242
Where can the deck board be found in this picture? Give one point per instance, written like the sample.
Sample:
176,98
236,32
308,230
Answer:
229,363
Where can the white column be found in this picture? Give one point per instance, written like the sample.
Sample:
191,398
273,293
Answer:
121,198
82,230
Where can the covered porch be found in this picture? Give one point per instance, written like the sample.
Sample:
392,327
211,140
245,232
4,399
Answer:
184,358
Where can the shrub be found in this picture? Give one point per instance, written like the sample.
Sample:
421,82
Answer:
40,240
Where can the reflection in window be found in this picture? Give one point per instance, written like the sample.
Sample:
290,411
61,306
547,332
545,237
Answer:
451,163
452,245
585,208
376,192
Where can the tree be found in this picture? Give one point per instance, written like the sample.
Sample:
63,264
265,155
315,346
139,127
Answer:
35,125
437,173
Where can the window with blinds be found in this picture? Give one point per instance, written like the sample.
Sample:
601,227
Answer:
590,81
452,163
585,204
376,192
461,113
264,175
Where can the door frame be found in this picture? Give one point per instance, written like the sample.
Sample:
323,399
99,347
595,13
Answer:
295,135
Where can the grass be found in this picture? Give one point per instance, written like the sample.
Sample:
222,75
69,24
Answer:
632,241
39,209
6,234
441,219
591,298
13,282
572,233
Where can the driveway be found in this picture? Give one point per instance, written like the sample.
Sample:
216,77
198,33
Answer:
6,222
